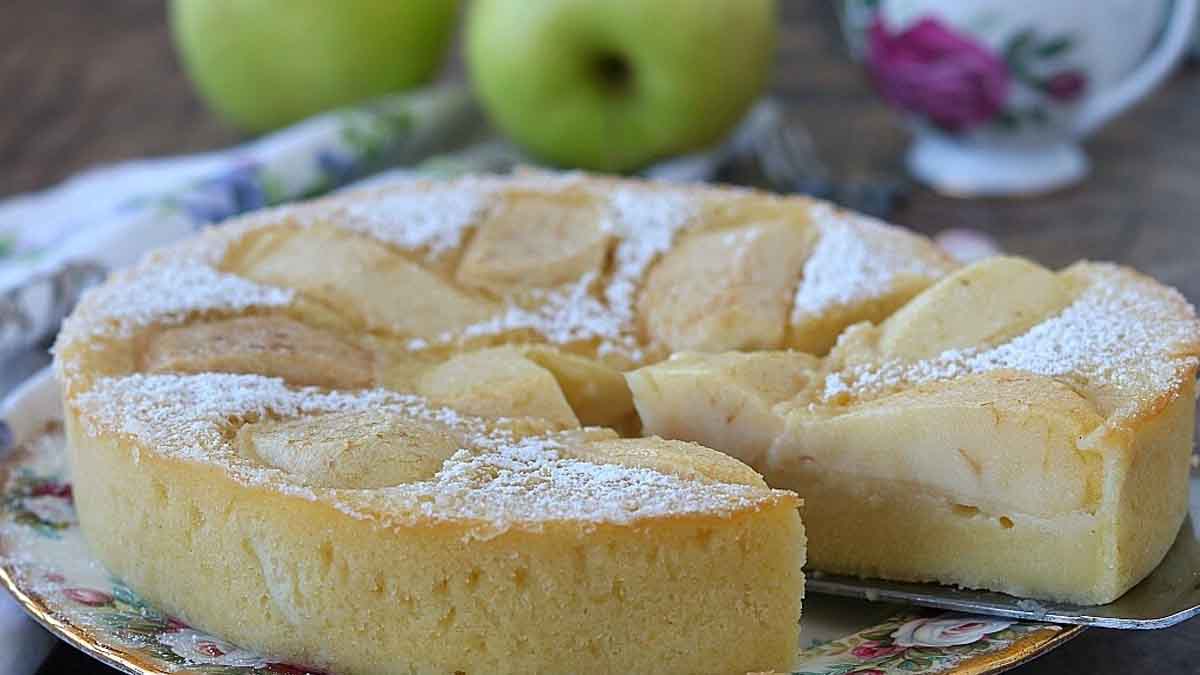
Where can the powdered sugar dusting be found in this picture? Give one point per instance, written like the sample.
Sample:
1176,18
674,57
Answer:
166,293
645,223
857,259
435,219
1125,339
501,479
527,179
531,481
564,315
188,415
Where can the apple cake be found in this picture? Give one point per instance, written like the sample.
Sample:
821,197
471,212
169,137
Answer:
452,426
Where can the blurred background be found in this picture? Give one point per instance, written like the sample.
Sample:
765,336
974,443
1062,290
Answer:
87,83
776,99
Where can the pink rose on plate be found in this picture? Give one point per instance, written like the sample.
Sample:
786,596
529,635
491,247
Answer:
874,649
88,596
53,489
947,630
932,71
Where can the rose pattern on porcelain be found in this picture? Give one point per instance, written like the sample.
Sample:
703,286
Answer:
999,93
947,631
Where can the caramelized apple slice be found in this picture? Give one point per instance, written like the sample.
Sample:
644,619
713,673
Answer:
597,393
498,382
678,458
727,208
726,289
352,450
723,401
978,306
860,270
273,345
535,241
363,278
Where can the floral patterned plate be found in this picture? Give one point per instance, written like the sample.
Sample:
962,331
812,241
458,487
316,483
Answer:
47,567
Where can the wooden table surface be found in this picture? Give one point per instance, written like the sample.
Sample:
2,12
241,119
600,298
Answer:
84,82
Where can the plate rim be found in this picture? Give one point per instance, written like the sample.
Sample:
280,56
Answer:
74,636
1017,654
62,629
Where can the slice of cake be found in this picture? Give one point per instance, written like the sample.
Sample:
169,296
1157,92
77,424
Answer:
1009,428
369,532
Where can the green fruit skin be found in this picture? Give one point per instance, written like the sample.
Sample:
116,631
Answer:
263,64
696,66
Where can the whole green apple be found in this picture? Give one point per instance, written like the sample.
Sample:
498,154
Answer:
612,85
267,63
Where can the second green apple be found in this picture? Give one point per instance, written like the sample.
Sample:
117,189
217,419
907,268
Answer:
613,85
